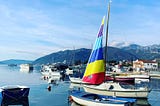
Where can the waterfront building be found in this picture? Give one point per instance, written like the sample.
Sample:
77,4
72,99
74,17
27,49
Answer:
145,65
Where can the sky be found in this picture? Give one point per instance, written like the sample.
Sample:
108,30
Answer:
30,29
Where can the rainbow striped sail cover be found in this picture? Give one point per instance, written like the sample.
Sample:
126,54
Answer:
95,70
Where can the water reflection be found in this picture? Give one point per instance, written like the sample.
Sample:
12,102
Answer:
26,71
19,102
12,76
142,102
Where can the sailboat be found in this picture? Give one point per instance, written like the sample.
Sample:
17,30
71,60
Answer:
96,69
92,99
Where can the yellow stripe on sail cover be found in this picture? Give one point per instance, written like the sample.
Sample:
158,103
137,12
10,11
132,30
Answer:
96,67
103,20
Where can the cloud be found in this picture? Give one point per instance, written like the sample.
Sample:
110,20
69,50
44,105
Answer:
40,27
133,21
119,44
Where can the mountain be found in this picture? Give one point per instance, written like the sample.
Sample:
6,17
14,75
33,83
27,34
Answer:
15,61
119,54
131,52
131,46
68,55
82,55
144,52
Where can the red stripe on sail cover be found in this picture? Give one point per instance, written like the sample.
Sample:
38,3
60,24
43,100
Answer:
96,78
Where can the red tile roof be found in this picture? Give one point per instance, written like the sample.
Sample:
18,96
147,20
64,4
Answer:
147,61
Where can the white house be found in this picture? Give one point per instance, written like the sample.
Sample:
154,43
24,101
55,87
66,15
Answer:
145,64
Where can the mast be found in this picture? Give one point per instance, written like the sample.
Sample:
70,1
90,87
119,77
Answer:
106,41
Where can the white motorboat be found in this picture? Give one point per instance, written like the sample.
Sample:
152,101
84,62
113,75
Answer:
26,67
49,71
69,71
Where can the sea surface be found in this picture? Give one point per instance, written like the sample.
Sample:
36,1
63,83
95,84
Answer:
58,96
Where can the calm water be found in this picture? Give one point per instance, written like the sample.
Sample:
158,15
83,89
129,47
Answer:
58,96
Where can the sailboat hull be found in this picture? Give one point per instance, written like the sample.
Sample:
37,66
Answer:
105,89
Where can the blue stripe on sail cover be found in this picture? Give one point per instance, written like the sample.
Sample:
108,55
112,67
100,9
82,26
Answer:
98,43
96,55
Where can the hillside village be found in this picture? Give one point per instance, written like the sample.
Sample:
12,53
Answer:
137,65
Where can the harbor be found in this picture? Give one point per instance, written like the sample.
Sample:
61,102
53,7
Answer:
49,57
59,93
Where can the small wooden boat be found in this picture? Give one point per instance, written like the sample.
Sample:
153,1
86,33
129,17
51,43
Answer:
108,78
129,78
90,99
126,80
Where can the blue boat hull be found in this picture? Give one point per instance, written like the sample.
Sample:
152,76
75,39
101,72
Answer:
15,93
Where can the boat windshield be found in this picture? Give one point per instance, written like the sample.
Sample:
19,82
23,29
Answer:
135,86
127,86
